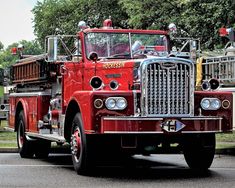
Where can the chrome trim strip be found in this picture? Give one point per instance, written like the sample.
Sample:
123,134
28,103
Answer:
233,111
134,132
135,101
201,132
132,118
30,94
156,132
50,137
203,118
160,119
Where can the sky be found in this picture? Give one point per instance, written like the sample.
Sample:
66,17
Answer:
16,21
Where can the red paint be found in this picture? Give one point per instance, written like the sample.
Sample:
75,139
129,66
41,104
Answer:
73,80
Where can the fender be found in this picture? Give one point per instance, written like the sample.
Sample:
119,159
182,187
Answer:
25,109
84,99
79,102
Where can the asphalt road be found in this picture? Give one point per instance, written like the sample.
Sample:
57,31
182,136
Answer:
152,171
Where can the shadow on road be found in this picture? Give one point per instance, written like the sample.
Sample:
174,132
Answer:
134,168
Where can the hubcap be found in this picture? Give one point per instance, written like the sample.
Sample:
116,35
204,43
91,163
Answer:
76,144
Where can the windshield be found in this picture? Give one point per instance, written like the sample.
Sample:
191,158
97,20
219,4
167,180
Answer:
125,45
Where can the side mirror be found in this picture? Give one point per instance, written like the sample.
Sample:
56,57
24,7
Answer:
52,45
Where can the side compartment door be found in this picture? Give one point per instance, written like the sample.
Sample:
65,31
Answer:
71,79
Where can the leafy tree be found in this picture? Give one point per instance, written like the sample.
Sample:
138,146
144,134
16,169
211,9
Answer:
203,19
65,15
197,18
30,48
1,46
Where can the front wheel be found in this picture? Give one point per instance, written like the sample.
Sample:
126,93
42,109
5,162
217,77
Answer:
199,151
79,149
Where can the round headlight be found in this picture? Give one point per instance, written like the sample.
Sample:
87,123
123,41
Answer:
121,103
110,103
215,104
205,104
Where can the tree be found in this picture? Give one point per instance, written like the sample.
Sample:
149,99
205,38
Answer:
1,46
202,19
30,48
65,15
198,19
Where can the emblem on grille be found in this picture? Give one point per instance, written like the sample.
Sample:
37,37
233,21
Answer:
168,65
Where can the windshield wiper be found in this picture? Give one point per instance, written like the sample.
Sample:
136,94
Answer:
118,56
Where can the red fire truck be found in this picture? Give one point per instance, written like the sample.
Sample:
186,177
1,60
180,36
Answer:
114,92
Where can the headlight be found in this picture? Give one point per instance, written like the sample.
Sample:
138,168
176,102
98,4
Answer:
116,103
121,103
210,103
215,104
205,104
110,103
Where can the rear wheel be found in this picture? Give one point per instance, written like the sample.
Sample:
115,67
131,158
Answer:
25,146
199,151
79,149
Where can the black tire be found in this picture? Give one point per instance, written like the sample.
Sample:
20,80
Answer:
199,151
42,149
79,149
25,146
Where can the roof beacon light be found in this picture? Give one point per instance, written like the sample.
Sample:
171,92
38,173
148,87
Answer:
82,25
108,24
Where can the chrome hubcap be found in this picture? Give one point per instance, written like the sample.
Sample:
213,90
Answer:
76,144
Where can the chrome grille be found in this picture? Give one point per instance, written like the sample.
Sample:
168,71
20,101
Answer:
167,88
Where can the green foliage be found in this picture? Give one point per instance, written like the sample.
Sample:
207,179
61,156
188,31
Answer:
30,48
1,46
65,15
199,19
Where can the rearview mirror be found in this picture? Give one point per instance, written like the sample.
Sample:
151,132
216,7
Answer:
52,44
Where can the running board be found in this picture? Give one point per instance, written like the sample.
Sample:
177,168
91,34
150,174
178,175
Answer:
51,137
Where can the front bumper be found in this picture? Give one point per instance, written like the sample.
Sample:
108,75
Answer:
150,125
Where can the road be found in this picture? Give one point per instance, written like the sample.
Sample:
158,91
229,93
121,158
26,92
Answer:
151,171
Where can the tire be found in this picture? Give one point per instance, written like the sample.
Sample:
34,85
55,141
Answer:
79,149
25,146
199,151
42,149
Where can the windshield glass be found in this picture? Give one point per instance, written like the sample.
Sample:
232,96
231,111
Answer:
125,45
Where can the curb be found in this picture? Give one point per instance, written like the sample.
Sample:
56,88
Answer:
8,150
225,151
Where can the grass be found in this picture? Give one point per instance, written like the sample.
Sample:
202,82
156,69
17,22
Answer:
8,139
226,137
